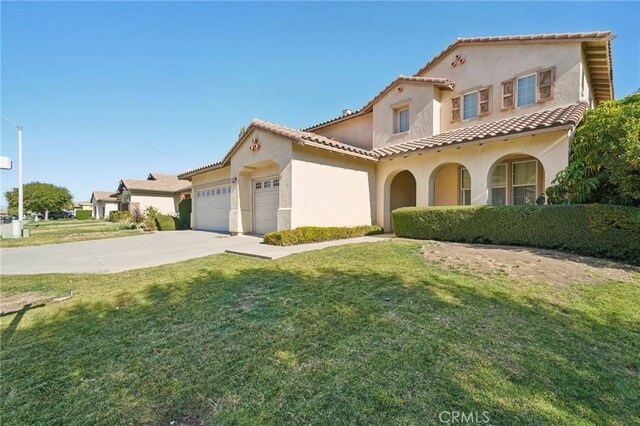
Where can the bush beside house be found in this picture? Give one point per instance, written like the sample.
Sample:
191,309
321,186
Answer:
119,216
184,211
314,234
590,229
168,223
83,214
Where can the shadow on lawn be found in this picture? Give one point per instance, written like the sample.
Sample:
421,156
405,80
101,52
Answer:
328,346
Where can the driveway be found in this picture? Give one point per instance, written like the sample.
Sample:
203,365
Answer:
121,254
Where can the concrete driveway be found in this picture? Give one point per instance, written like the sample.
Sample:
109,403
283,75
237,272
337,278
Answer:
121,254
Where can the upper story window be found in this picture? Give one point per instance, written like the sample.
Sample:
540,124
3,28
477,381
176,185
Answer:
471,105
402,120
528,89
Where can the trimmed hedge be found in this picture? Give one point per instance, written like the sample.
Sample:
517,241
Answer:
315,234
119,216
83,214
184,209
164,222
590,229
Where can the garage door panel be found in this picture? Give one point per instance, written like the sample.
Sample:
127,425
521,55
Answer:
266,200
212,208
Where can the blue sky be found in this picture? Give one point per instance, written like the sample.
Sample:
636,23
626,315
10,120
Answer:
112,90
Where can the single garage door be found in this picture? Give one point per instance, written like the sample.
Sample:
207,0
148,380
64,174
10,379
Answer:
212,208
265,205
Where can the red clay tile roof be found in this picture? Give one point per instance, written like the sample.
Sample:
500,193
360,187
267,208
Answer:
564,116
442,83
308,137
298,136
567,116
585,36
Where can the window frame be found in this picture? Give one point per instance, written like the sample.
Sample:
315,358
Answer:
462,106
535,89
505,186
397,119
513,185
461,189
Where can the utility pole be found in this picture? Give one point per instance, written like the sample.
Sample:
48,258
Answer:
20,186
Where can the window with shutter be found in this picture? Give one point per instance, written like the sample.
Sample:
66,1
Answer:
545,85
508,95
484,101
455,109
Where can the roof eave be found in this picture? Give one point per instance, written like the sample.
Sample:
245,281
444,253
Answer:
479,141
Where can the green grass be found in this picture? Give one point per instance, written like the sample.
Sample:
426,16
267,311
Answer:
361,334
65,231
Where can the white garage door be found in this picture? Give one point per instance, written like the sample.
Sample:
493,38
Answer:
212,208
265,205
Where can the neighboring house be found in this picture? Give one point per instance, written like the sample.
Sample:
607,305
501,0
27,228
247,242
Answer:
80,205
488,120
103,203
162,191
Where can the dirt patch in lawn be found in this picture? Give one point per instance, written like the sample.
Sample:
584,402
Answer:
16,302
528,263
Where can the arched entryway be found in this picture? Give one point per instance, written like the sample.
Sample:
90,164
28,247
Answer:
402,191
450,185
516,179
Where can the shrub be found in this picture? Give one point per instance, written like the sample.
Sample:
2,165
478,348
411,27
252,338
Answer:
137,216
165,222
119,216
314,234
184,210
83,214
590,229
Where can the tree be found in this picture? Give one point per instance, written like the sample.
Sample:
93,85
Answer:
40,198
605,159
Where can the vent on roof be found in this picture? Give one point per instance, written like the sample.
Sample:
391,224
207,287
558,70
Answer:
346,112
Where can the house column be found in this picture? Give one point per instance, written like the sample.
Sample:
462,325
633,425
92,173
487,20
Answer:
285,205
479,186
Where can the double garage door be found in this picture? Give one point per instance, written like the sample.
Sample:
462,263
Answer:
212,208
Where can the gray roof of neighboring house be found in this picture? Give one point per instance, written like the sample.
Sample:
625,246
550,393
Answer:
566,116
156,182
104,196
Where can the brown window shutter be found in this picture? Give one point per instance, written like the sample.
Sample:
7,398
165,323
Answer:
508,95
455,109
484,101
546,81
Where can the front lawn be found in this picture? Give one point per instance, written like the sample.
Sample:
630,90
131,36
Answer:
360,334
65,231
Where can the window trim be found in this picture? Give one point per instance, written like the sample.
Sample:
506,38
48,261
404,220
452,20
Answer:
396,112
513,185
477,104
461,190
505,186
535,93
551,84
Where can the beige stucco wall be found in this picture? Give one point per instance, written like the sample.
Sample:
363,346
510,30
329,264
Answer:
354,131
166,204
272,159
490,65
550,148
446,184
330,189
419,98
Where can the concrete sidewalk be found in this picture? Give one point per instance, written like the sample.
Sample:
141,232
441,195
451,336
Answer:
121,254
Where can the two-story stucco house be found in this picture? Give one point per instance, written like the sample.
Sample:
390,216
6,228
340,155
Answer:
489,120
